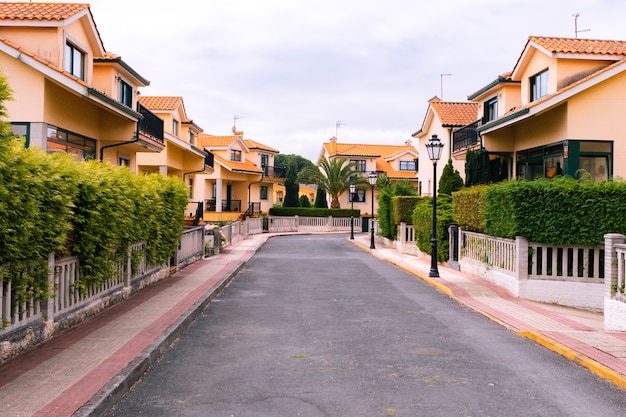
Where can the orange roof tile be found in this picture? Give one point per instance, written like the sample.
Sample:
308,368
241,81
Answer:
40,11
164,103
244,166
251,144
455,113
580,46
211,141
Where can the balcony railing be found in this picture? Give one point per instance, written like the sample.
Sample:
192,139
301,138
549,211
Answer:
151,124
274,172
466,137
233,205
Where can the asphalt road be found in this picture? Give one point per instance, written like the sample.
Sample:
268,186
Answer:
314,326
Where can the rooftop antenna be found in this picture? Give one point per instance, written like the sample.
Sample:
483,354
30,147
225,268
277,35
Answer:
337,126
576,31
235,118
443,75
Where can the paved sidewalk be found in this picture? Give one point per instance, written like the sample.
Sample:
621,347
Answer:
84,371
576,334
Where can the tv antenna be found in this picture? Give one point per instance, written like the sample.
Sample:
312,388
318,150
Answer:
235,118
443,75
337,126
576,31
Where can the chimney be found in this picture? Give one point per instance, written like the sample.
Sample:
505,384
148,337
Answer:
333,145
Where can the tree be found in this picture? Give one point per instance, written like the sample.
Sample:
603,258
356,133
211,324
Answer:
6,94
281,160
304,201
320,198
450,180
292,187
333,175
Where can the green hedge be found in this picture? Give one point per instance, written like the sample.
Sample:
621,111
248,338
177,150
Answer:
51,203
423,226
468,207
313,212
403,206
561,211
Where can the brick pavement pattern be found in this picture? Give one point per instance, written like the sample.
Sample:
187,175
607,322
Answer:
85,370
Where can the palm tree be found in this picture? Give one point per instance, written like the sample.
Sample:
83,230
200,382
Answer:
335,175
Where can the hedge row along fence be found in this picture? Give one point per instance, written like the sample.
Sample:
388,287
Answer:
313,212
49,203
557,212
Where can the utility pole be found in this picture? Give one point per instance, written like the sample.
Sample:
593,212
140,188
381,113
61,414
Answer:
443,75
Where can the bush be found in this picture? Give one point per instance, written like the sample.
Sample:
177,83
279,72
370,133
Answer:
386,221
403,206
304,201
422,224
312,212
468,208
450,181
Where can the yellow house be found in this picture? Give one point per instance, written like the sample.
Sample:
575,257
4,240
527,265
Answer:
397,162
442,118
242,182
559,111
308,190
69,94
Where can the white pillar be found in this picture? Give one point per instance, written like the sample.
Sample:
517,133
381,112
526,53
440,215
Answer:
218,195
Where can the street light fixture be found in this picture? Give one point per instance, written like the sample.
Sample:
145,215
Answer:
434,148
372,179
352,190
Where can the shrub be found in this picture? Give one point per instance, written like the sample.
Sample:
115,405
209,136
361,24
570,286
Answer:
468,208
450,181
313,212
403,206
422,224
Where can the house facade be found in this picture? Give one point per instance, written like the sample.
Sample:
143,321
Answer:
397,162
558,112
69,93
443,118
242,180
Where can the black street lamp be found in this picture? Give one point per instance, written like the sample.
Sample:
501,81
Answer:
434,148
372,179
352,190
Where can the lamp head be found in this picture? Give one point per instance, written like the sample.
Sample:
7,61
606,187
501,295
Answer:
434,148
372,178
352,188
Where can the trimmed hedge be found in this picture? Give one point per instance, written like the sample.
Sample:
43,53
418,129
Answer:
51,203
468,207
313,212
423,226
403,206
557,212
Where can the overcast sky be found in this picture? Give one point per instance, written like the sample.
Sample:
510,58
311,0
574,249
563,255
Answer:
291,69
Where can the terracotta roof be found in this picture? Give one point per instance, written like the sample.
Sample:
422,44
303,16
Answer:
455,113
580,46
211,141
163,103
40,11
251,144
244,166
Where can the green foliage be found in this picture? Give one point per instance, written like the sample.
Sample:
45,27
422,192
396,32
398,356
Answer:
557,212
468,207
5,95
403,206
450,180
387,224
50,203
320,198
422,224
281,160
292,187
334,175
480,169
304,201
312,212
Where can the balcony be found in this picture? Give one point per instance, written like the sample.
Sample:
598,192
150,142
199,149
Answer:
151,128
274,172
466,137
232,205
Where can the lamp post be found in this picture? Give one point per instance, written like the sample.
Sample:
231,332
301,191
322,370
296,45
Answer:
352,189
372,179
434,148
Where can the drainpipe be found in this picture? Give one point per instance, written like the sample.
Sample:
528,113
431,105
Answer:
136,139
255,182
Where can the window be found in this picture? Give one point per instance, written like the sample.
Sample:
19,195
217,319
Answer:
192,138
190,188
175,127
358,197
235,155
22,129
539,85
126,93
263,192
408,165
359,164
74,61
490,110
60,140
123,160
